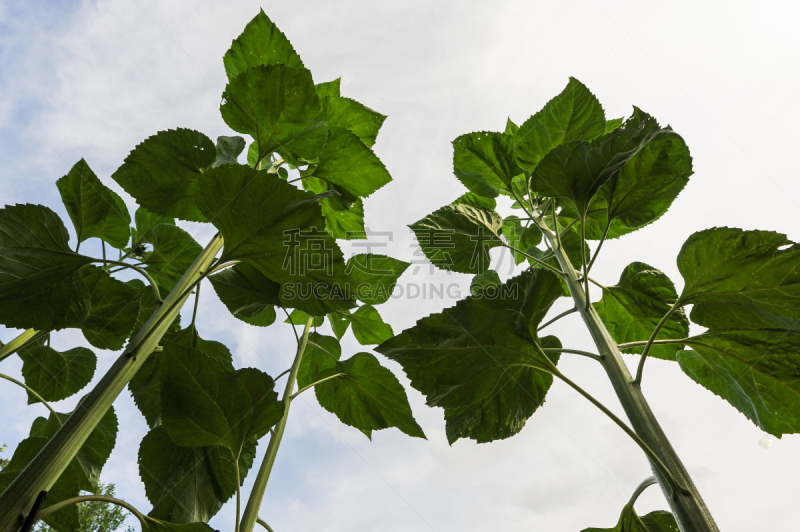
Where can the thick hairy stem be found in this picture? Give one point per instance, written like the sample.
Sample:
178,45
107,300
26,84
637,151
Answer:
99,498
260,485
690,511
42,472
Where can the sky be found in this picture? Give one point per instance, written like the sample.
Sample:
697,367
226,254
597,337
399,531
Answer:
92,79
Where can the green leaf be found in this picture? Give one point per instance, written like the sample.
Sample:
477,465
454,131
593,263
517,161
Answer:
478,360
755,370
741,279
346,162
247,293
188,484
163,526
278,106
145,386
321,354
632,309
228,150
56,375
613,124
203,403
367,397
373,277
476,200
488,280
329,88
276,228
161,173
261,43
629,521
344,218
520,238
95,210
340,321
459,237
368,326
484,162
511,128
39,285
299,318
577,170
575,114
114,310
145,222
174,250
352,116
645,187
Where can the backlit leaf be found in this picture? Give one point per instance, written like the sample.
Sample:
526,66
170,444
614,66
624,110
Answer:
368,326
373,277
484,162
56,375
247,293
228,150
261,43
353,116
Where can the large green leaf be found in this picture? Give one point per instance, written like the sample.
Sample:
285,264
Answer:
261,43
629,521
247,293
347,163
95,210
278,106
478,360
577,170
145,386
367,397
484,162
353,116
203,403
574,114
745,279
188,484
161,173
174,250
756,370
114,310
373,277
368,326
633,307
278,229
459,237
39,284
55,375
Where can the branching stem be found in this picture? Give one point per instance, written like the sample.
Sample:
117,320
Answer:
100,498
304,388
537,261
566,313
573,351
264,524
638,380
597,251
141,272
646,483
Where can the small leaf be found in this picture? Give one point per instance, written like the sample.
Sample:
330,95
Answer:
344,219
351,115
56,375
755,370
321,354
340,321
329,88
470,198
247,293
577,170
368,326
39,284
346,162
511,128
520,238
228,150
261,43
299,318
95,210
478,360
484,162
373,277
613,124
483,281
741,279
575,114
459,237
188,484
278,106
145,222
161,173
368,397
174,250
632,309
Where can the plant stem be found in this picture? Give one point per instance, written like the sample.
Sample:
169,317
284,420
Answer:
690,511
573,351
238,497
260,485
646,483
100,498
566,313
304,388
638,380
537,261
139,271
628,345
33,392
196,301
11,347
43,471
597,251
264,524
